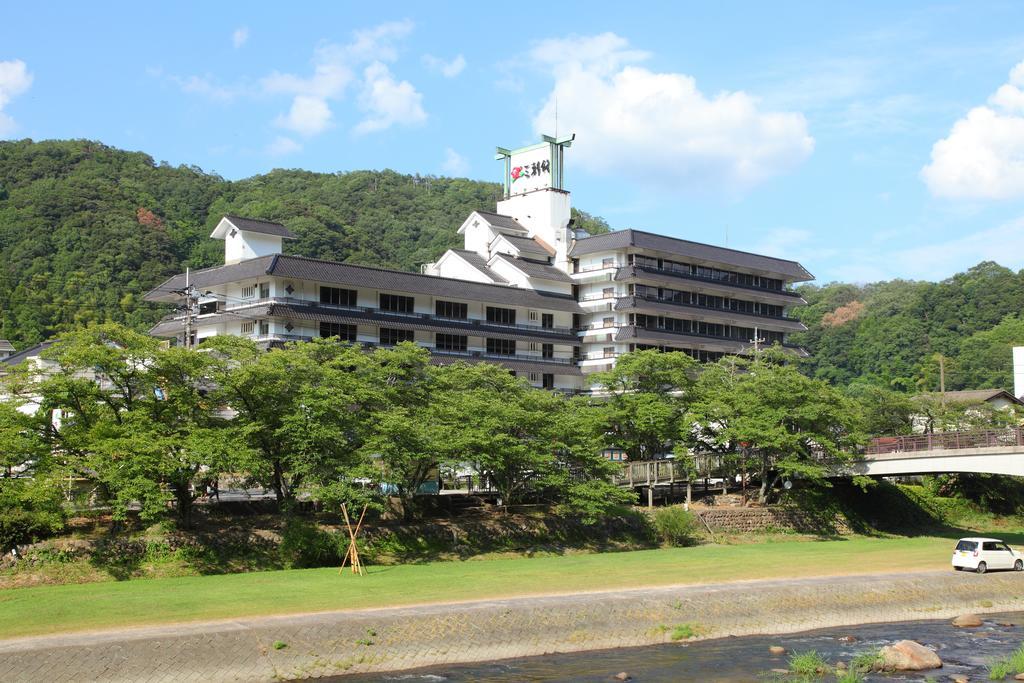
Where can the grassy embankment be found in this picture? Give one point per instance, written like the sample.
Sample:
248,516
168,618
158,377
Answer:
52,609
919,529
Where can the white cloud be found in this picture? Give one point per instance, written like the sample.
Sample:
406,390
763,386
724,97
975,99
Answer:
983,155
240,36
308,116
658,127
283,145
388,102
454,163
14,80
208,87
447,69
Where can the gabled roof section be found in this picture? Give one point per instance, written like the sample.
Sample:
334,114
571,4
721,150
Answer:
621,239
526,247
30,352
497,221
477,261
534,269
250,225
6,345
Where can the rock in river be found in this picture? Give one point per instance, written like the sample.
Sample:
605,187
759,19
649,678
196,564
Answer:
967,621
777,650
623,676
907,655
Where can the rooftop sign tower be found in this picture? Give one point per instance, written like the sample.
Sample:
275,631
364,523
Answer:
535,194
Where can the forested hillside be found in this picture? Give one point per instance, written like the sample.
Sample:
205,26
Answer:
892,333
86,229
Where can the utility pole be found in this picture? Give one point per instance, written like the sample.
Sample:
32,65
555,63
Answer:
756,341
191,306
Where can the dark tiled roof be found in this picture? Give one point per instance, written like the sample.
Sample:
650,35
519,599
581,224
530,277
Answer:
535,269
209,277
975,396
265,227
480,263
621,239
502,221
30,352
302,268
528,246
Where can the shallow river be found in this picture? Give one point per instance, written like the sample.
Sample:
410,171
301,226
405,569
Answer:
963,651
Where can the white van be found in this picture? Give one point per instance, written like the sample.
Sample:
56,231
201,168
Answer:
982,554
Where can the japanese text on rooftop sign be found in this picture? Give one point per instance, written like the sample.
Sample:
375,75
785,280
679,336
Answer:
530,170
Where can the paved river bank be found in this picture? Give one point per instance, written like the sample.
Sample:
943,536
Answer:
377,640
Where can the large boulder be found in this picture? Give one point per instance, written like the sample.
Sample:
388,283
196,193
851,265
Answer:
907,655
967,621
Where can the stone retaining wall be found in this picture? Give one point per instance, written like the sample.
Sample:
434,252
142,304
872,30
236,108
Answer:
755,520
316,645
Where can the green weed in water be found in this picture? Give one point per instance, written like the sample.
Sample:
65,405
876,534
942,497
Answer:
808,664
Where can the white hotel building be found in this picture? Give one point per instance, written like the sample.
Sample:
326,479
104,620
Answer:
527,291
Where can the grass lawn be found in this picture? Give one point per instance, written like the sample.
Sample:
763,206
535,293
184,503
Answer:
63,608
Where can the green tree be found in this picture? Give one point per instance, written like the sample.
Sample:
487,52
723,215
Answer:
644,401
793,426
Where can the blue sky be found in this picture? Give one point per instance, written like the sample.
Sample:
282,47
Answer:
867,141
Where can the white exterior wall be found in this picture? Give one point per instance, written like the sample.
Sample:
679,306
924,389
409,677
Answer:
246,245
477,234
1018,371
545,214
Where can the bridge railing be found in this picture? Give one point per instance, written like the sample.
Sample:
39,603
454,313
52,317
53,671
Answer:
989,438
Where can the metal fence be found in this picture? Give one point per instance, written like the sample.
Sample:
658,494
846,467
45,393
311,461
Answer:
989,438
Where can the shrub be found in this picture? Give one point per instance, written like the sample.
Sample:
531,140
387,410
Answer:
29,510
304,545
675,526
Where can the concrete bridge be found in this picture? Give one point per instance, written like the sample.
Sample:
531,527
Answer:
992,451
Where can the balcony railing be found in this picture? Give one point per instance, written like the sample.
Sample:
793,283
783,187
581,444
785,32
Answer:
717,309
397,315
701,278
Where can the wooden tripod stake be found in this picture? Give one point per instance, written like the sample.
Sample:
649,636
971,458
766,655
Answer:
352,555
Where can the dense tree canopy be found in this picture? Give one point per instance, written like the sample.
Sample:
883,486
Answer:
86,229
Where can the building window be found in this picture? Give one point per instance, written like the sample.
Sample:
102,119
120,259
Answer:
534,316
501,347
264,328
548,380
452,309
609,352
534,377
502,316
207,307
547,351
247,328
249,292
608,292
340,330
450,342
264,290
335,296
396,303
608,262
547,320
390,337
